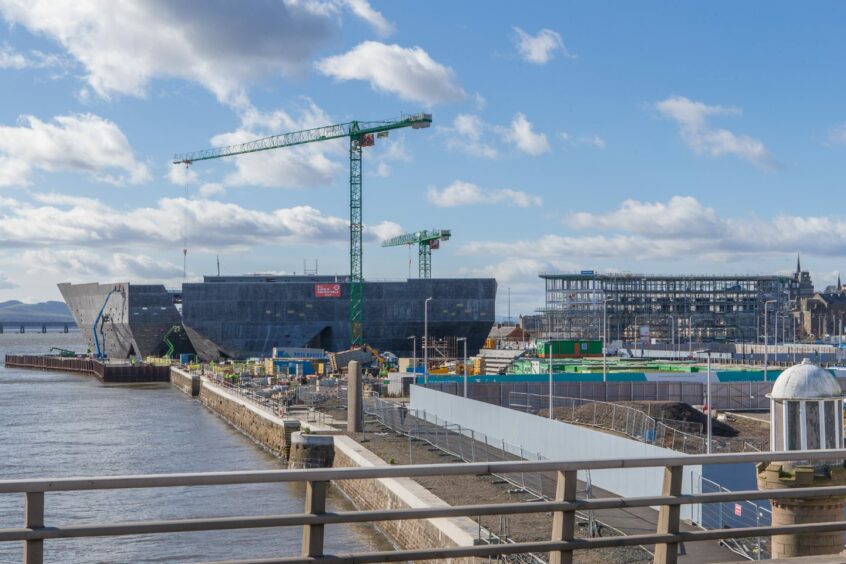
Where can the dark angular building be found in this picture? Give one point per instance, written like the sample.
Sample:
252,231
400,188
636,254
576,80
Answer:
246,316
135,318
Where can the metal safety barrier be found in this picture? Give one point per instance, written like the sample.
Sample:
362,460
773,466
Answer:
314,518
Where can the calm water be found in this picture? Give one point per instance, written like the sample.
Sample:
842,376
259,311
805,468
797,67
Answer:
54,424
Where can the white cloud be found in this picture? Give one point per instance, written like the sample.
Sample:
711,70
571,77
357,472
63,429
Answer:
222,46
389,151
541,48
210,189
6,284
467,134
85,264
837,136
682,216
15,60
11,59
692,118
521,135
680,229
72,143
363,10
577,141
464,193
181,174
410,73
309,165
61,221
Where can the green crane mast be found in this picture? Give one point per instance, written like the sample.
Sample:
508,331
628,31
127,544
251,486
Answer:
425,241
361,134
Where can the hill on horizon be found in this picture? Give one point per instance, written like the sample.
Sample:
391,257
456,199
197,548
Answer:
50,311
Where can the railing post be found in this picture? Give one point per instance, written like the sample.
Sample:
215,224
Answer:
564,522
669,516
315,503
34,519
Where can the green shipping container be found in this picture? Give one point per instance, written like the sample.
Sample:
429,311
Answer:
569,348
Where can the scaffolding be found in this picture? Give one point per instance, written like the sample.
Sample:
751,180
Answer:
665,308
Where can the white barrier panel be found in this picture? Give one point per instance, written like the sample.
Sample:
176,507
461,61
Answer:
556,440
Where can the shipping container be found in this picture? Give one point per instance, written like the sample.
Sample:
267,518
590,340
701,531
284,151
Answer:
569,348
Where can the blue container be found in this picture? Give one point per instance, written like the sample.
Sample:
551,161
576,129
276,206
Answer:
185,358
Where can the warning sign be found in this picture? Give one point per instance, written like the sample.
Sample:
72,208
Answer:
327,290
738,510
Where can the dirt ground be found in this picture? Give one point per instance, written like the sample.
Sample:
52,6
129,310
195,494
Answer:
679,415
467,490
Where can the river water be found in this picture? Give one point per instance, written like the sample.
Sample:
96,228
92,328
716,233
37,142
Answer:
60,424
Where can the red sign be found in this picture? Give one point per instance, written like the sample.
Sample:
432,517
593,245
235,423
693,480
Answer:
738,510
327,290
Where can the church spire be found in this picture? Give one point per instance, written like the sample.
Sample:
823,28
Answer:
839,285
798,265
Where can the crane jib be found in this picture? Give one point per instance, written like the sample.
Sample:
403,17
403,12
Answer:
361,134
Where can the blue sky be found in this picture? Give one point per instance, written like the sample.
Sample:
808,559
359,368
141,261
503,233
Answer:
646,137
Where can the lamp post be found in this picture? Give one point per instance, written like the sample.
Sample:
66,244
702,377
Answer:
605,340
549,347
766,337
465,363
708,400
414,356
426,340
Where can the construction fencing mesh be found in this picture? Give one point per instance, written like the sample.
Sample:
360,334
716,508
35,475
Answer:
472,446
628,421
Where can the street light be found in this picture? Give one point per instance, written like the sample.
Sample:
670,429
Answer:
465,363
708,399
766,337
605,340
414,356
549,346
426,340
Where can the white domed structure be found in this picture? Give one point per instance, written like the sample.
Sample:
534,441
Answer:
805,381
806,409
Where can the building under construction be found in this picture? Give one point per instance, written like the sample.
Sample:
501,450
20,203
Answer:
668,308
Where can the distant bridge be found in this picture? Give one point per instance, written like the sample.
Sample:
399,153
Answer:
21,326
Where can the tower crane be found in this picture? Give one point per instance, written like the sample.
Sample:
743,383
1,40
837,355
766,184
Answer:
361,134
425,241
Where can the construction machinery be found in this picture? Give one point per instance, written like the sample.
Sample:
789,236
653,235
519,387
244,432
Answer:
426,241
361,134
63,352
100,351
168,343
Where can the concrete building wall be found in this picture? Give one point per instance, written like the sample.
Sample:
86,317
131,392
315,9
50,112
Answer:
556,440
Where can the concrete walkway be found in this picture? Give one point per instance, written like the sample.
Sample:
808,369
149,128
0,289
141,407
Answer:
630,521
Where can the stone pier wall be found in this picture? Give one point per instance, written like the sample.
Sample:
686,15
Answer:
268,430
260,425
185,381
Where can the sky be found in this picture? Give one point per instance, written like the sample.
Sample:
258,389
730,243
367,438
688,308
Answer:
654,137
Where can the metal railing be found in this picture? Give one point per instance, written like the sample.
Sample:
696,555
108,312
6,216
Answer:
628,421
35,531
473,446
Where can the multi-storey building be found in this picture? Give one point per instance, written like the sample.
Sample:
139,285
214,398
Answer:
671,307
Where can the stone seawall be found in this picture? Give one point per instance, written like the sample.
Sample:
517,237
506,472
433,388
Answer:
268,430
185,381
262,426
